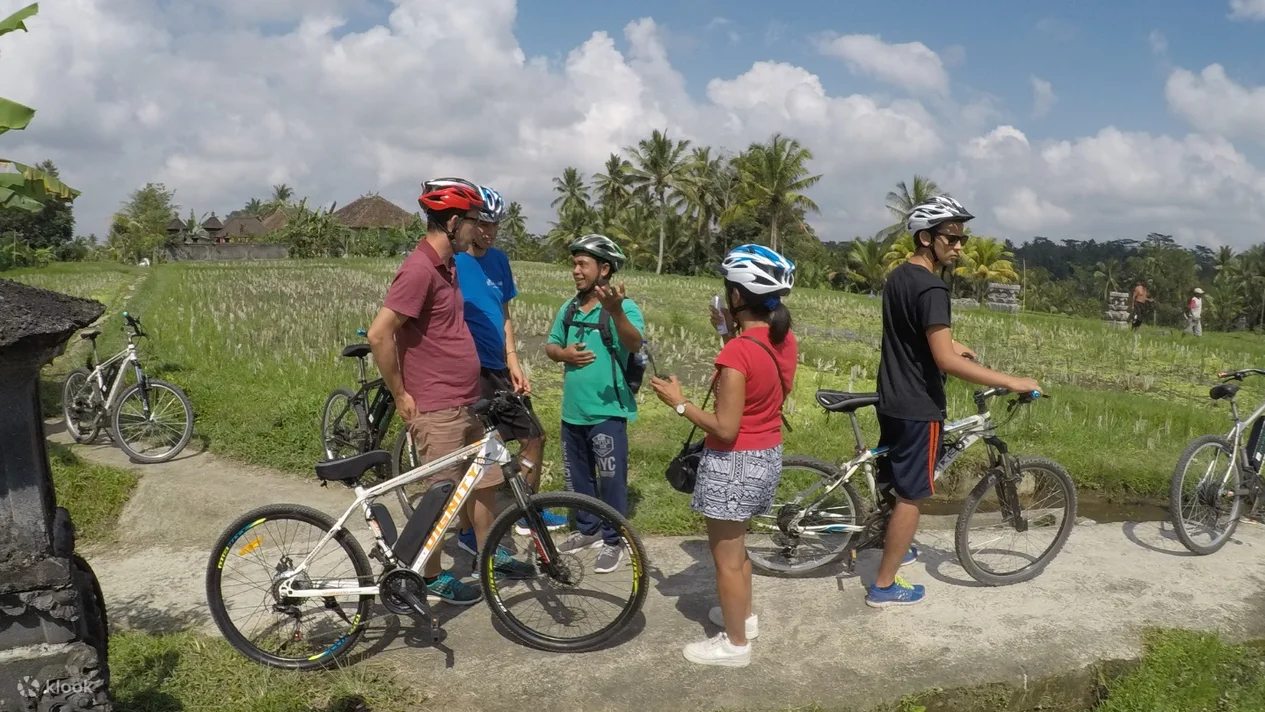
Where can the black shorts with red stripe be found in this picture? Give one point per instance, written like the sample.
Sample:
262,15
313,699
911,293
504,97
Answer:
912,449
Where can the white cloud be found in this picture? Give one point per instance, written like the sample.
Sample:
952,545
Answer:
726,25
1043,97
130,91
1158,42
1213,102
1247,9
912,65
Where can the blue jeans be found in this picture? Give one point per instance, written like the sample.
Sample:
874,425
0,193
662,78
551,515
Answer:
595,463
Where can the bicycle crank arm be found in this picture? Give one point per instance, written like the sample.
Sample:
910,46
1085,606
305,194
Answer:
422,610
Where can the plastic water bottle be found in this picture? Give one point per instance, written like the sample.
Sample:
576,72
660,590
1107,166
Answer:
721,328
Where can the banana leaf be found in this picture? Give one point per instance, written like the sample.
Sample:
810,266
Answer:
15,21
28,188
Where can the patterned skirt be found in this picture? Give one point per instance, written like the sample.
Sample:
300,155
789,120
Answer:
737,485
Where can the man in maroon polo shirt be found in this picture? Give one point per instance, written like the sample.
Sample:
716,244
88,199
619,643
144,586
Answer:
427,358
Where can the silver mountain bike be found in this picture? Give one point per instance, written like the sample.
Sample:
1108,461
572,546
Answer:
150,420
1011,526
1217,480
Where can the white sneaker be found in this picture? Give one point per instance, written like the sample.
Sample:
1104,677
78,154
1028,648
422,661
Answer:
718,651
753,622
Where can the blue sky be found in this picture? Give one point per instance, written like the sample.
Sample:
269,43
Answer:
1154,124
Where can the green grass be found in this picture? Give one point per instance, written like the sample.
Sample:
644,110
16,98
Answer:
93,494
255,346
1185,671
188,672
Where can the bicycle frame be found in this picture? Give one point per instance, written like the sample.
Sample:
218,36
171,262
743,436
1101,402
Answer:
969,430
490,449
125,358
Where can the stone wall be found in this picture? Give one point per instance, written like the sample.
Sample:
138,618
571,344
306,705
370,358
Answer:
1002,297
228,251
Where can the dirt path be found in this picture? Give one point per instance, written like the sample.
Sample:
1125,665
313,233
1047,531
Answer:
819,643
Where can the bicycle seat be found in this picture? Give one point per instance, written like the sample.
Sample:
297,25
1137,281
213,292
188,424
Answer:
351,468
90,334
356,350
843,402
1225,390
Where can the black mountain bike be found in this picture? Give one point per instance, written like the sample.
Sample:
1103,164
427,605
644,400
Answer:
355,423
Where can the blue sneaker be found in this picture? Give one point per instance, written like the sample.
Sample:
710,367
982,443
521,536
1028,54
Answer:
910,556
452,590
467,542
553,522
900,593
506,566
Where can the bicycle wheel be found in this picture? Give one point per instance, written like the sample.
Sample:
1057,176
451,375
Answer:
344,427
1203,506
824,539
167,425
281,536
83,420
554,612
1046,501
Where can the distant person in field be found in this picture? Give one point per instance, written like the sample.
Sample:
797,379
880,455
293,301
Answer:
487,286
917,352
1194,313
428,360
1141,297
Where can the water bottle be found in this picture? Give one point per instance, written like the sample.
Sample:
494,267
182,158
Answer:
722,327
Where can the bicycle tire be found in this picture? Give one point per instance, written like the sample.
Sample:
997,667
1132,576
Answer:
1175,496
362,423
185,434
67,396
397,456
828,472
219,613
1032,570
637,560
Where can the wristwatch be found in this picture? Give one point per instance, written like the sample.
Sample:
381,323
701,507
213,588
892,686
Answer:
680,408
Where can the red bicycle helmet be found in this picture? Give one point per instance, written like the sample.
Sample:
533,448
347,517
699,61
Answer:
451,197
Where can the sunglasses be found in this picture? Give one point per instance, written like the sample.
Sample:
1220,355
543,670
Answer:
952,239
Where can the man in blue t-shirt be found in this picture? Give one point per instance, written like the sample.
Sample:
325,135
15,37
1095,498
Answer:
487,286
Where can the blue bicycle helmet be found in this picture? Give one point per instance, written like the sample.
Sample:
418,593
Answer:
493,206
759,270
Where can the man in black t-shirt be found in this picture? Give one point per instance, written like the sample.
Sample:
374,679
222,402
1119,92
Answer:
918,350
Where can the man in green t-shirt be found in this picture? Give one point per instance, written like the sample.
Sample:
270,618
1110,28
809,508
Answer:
597,404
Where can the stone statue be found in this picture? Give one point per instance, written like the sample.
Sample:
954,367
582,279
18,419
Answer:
1118,309
1002,297
53,631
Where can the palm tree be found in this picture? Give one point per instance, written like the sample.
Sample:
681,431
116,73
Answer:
774,175
703,193
514,225
659,167
901,201
866,264
255,207
1108,271
1223,259
614,188
986,260
571,225
572,193
633,228
282,194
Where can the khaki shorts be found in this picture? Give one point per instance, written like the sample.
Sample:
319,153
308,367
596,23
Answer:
440,433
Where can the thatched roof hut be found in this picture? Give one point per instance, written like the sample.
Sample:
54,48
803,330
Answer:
373,211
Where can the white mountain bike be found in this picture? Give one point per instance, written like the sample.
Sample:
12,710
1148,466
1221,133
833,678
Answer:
150,420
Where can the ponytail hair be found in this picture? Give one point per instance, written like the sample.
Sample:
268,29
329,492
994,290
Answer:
766,308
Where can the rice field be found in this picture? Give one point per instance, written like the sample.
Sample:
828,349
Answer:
255,346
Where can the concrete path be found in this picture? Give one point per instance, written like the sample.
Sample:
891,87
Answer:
818,642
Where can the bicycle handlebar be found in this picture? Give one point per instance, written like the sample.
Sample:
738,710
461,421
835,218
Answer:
504,402
135,323
1241,373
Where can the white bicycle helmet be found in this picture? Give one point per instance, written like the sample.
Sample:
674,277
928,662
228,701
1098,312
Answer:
493,206
759,270
932,212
